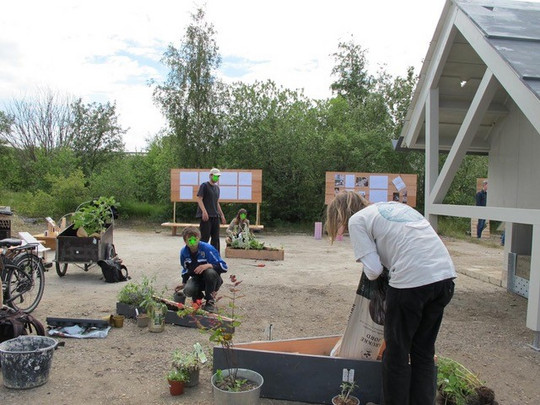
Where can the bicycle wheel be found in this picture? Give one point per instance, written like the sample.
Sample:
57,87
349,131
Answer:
25,283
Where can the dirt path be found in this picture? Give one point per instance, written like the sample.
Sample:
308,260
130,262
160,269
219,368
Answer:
308,294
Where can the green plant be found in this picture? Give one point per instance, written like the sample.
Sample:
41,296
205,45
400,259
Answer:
247,241
220,333
95,215
456,384
189,361
346,389
137,294
176,374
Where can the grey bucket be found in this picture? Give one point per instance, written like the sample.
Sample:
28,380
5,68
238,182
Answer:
251,397
26,361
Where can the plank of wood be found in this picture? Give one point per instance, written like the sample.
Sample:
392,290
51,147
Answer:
30,239
176,225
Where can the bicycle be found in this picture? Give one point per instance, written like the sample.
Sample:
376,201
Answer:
22,274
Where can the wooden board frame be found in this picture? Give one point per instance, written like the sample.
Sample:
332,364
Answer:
302,370
178,181
198,176
365,183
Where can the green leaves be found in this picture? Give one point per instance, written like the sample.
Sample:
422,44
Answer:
94,215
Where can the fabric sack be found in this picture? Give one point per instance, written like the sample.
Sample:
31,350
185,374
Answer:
14,323
364,335
113,271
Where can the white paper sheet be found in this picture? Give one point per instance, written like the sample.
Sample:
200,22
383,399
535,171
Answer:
245,179
228,179
399,183
244,193
186,192
228,193
189,178
378,196
349,180
380,182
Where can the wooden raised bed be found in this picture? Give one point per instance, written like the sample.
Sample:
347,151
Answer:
303,370
263,254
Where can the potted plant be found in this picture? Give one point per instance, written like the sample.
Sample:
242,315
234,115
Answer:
191,362
345,397
456,385
132,297
156,311
177,379
94,217
232,385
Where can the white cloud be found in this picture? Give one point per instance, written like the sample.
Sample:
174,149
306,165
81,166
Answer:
109,49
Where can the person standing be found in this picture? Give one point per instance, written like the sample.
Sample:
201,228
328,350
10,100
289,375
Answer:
421,273
209,210
481,200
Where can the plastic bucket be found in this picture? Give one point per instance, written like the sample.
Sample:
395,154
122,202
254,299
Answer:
26,361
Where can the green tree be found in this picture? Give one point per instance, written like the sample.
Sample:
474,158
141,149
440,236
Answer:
97,136
190,96
275,129
353,82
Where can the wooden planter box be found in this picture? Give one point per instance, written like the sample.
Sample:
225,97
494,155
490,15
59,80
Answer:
191,321
263,254
302,369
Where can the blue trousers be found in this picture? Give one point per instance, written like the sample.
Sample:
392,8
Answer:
480,227
412,321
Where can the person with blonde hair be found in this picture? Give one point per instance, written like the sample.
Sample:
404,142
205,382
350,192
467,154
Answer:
421,273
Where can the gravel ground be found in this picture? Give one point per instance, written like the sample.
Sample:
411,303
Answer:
308,294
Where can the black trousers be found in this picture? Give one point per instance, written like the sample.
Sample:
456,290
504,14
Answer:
412,321
210,231
203,285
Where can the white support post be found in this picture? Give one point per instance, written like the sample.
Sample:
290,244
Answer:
533,305
432,150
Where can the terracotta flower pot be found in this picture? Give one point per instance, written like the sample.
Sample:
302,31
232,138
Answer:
176,387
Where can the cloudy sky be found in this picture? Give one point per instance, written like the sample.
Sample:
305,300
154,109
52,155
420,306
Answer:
108,50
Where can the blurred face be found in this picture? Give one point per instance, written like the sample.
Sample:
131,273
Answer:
215,178
243,216
193,243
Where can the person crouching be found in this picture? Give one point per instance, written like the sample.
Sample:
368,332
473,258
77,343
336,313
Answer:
202,267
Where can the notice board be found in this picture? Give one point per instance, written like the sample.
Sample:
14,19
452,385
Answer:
235,185
375,187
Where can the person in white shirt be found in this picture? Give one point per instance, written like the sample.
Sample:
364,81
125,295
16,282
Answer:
421,273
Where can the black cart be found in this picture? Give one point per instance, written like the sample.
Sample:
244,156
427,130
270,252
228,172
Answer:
82,251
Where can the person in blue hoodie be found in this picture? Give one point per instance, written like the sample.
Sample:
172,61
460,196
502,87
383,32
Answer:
202,267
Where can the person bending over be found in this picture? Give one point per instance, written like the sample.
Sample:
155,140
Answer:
421,273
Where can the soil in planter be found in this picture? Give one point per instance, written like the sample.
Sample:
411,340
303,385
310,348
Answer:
350,401
240,385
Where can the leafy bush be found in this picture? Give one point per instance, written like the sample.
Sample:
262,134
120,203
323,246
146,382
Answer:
136,293
94,216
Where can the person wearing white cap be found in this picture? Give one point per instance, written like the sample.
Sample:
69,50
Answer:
209,210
